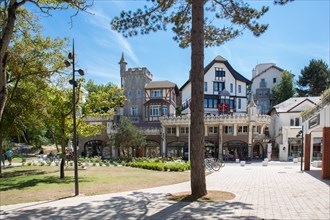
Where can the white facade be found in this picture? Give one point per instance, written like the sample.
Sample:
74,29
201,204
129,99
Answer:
286,122
222,85
264,78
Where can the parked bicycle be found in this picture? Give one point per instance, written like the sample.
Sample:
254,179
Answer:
213,164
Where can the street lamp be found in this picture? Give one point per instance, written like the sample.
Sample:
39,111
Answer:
74,84
301,133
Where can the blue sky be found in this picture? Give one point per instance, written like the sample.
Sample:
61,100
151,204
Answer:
297,33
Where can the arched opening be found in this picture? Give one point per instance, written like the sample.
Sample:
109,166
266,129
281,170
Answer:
93,148
211,150
152,149
235,150
177,149
258,151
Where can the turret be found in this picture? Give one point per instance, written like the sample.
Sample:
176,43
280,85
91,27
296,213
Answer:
122,64
252,108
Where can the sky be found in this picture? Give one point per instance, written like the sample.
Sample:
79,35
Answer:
298,32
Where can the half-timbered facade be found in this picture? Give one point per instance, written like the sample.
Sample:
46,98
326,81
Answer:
160,99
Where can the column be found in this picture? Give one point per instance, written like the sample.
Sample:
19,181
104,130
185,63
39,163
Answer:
326,153
307,150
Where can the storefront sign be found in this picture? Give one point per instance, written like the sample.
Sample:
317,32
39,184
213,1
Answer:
314,121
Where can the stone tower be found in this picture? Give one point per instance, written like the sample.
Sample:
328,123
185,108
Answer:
133,81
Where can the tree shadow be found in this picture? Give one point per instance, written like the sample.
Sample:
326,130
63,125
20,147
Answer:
135,205
10,185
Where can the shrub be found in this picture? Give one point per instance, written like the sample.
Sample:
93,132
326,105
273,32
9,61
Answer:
115,163
29,163
107,163
100,163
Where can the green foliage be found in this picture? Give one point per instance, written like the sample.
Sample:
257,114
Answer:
128,136
314,79
107,163
236,16
285,89
161,166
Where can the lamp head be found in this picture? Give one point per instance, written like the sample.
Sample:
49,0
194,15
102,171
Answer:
67,63
70,56
81,72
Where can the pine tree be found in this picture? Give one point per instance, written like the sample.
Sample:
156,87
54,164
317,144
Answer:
314,79
192,28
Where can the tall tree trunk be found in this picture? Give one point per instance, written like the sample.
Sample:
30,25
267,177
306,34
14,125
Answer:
198,183
6,35
1,148
63,146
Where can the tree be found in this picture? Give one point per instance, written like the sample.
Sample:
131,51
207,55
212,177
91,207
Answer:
128,137
191,28
11,10
314,79
284,90
35,60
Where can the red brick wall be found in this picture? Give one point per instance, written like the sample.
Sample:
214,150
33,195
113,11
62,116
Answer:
307,151
326,153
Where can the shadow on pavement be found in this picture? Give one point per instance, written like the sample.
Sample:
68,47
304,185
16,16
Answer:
317,174
136,205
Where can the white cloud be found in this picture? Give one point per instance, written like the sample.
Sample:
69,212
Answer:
110,38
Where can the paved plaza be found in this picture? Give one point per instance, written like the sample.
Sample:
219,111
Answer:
276,191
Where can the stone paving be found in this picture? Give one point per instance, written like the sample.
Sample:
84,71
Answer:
276,191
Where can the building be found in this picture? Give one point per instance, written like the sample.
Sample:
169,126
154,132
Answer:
286,122
265,77
240,136
225,90
316,135
133,81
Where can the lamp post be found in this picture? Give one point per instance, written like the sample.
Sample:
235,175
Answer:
74,83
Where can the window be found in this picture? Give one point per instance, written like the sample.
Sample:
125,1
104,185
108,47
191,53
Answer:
155,110
164,110
274,80
239,104
291,122
229,129
263,83
239,88
219,74
134,111
218,86
205,86
205,103
171,130
184,130
139,94
129,94
210,104
231,87
242,129
213,130
215,103
156,93
297,122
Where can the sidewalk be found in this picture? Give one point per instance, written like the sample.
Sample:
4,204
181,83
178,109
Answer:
276,191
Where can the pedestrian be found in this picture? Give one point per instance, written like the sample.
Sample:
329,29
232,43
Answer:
9,154
3,158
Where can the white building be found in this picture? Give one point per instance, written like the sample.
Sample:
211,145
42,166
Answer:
265,77
285,125
225,90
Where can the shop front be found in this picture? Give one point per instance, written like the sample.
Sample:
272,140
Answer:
233,150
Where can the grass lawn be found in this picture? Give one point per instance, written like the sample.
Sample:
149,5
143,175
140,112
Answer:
39,183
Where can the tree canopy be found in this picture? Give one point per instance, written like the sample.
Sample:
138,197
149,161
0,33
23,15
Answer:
314,79
285,89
